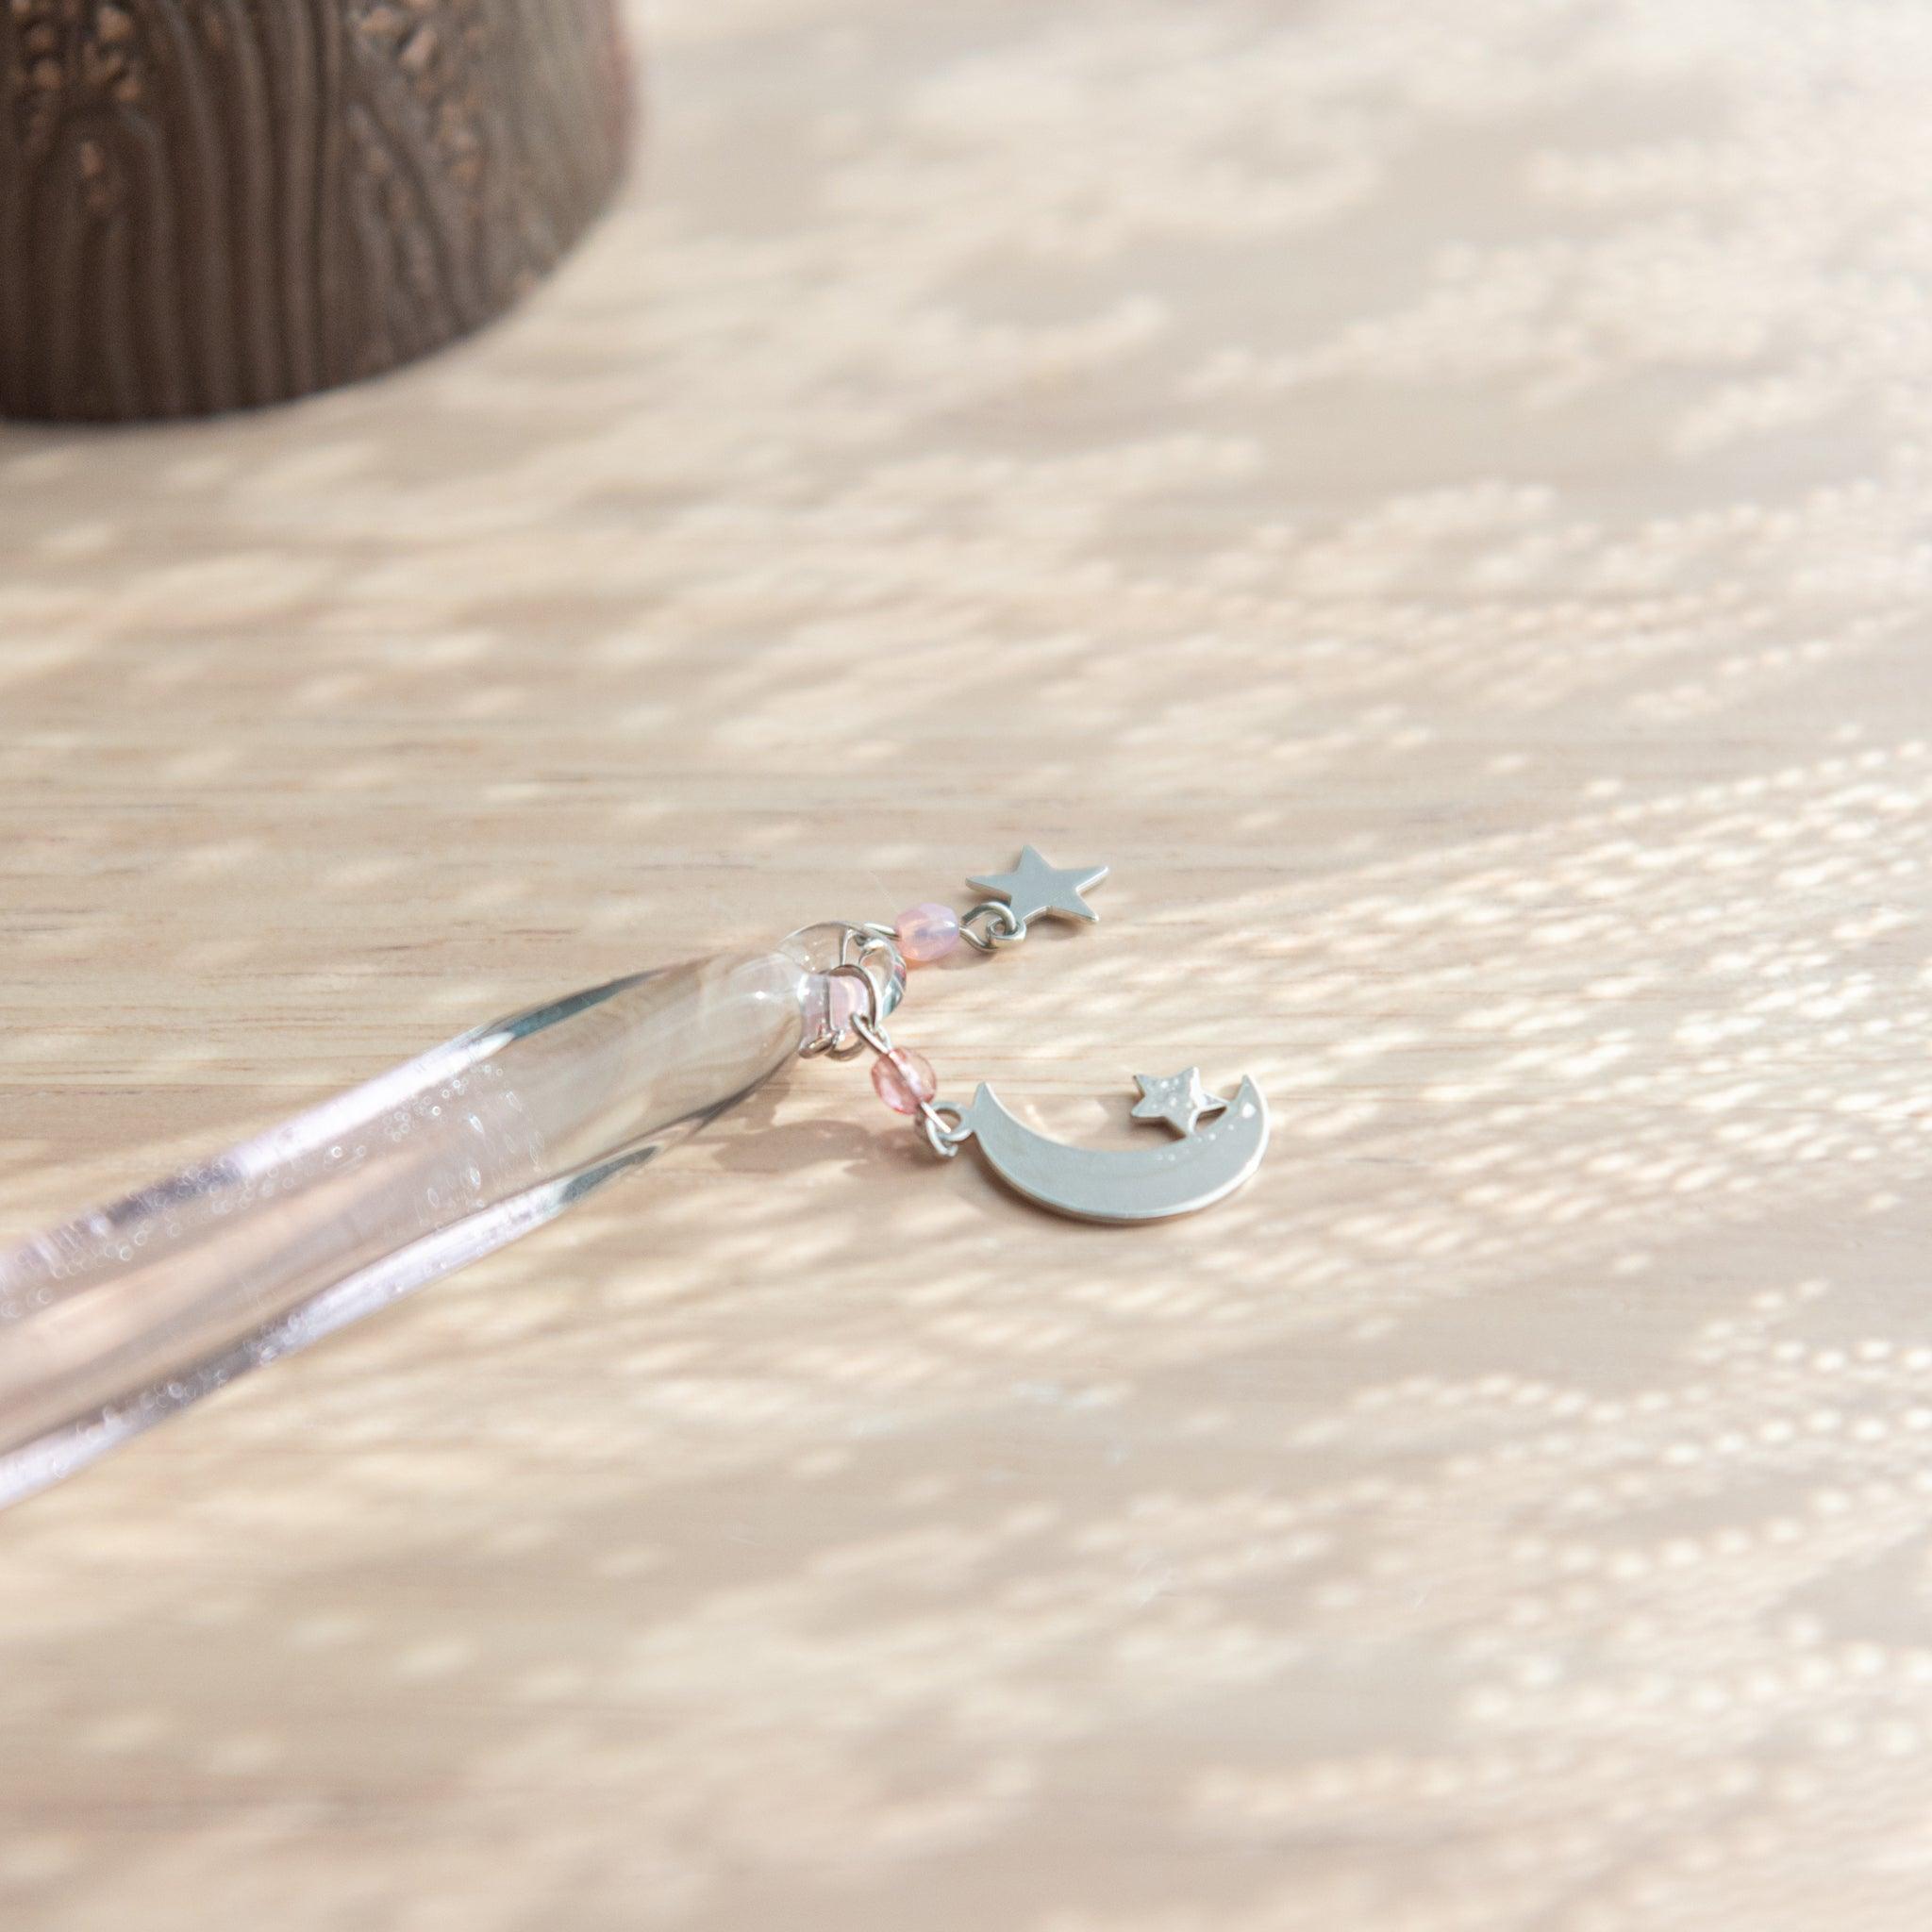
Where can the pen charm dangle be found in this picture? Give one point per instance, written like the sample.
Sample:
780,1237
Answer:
1196,1167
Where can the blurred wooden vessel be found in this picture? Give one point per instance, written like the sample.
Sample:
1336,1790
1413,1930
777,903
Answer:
209,205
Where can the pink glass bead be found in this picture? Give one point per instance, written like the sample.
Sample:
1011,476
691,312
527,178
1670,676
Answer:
903,1079
926,933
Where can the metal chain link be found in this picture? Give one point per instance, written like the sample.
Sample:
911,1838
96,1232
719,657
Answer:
1003,927
861,950
987,927
943,1137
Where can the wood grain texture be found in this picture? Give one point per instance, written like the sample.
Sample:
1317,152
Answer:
1436,497
208,205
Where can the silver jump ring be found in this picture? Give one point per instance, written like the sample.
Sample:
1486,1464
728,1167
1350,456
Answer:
863,1027
859,941
851,1041
838,945
942,1136
1004,926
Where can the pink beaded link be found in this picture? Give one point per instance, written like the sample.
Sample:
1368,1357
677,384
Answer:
904,1080
926,932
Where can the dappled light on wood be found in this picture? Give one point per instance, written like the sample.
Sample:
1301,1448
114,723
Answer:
1434,498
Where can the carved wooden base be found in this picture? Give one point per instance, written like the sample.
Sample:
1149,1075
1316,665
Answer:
208,205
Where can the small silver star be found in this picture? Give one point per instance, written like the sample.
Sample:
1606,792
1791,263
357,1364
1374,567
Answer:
1033,887
1180,1100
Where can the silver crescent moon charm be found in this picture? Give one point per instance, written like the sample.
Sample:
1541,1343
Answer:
1204,1165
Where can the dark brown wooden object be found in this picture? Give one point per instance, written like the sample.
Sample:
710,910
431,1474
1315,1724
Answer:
209,205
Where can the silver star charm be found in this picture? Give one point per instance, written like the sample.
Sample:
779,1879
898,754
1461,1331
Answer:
1180,1100
1033,887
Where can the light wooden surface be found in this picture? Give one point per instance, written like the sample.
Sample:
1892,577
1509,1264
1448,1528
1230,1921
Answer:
1438,501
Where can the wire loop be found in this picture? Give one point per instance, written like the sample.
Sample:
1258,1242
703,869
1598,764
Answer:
945,1139
1003,926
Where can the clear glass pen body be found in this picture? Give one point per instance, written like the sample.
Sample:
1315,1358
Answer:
123,1316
